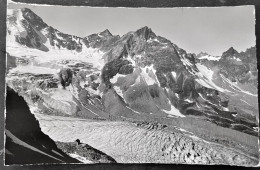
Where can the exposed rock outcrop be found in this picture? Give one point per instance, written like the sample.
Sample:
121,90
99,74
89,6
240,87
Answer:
65,76
86,151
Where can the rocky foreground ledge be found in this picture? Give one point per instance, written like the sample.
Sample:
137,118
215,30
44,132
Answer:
27,144
84,151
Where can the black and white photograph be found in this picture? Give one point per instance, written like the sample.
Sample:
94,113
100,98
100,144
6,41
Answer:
90,85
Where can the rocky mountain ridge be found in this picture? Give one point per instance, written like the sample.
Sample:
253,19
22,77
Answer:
31,31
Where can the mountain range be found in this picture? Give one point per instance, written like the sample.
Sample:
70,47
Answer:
140,77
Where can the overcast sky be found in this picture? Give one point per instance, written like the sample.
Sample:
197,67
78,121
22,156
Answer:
211,30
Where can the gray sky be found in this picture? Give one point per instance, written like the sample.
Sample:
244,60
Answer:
211,30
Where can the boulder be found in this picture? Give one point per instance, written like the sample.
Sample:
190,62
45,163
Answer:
65,76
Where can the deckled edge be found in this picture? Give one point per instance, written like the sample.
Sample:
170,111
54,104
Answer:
35,4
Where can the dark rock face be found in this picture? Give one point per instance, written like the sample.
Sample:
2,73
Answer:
34,19
229,53
145,33
114,67
25,142
165,59
186,94
31,38
11,62
65,76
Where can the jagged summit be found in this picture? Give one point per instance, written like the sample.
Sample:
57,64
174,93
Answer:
103,34
145,32
28,29
145,28
106,33
230,52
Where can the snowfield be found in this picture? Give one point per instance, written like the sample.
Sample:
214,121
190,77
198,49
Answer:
173,111
206,78
210,57
119,91
115,78
148,75
174,74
